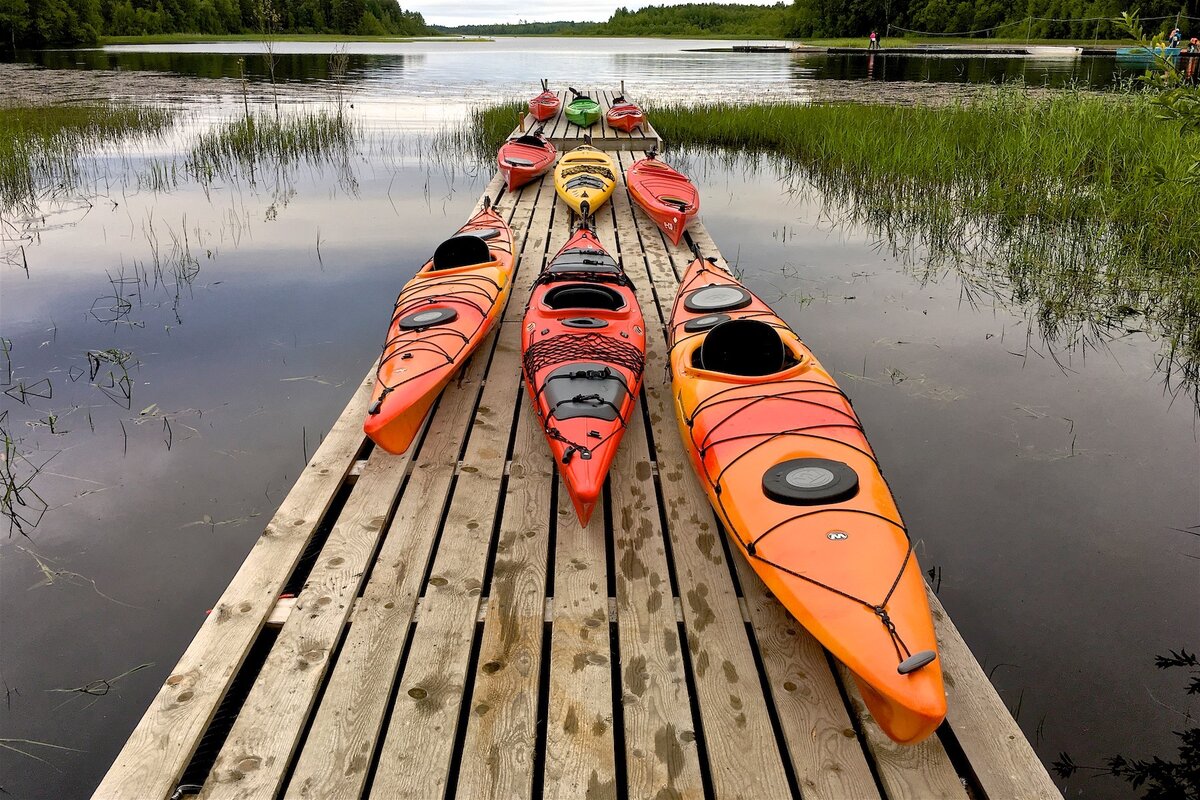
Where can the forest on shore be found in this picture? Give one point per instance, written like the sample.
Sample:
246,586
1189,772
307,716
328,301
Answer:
35,23
1036,19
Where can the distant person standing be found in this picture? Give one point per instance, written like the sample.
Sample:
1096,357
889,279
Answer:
874,41
1173,41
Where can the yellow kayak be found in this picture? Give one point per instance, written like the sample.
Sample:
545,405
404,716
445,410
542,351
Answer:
585,177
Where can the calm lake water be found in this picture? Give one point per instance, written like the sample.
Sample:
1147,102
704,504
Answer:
184,351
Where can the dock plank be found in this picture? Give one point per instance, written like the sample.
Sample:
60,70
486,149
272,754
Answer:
580,747
502,722
417,748
255,756
161,746
744,758
920,771
1000,755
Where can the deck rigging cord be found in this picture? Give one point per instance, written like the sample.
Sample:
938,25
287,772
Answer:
461,290
752,545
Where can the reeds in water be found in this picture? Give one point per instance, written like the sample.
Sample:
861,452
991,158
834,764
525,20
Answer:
1078,206
42,145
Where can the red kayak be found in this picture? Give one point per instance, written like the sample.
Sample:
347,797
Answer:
525,158
545,105
624,116
665,194
582,354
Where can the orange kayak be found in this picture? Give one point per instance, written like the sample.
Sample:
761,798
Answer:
666,195
440,317
788,469
583,353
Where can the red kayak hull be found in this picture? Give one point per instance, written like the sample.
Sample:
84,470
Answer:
545,105
525,159
583,350
666,195
625,117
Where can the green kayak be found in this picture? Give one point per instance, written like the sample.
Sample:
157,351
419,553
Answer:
583,110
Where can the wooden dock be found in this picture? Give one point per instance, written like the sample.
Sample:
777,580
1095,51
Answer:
458,634
566,135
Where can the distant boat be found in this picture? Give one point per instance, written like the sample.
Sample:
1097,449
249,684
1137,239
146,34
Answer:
1144,55
1053,51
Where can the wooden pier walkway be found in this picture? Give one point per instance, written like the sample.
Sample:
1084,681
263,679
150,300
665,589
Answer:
566,135
457,634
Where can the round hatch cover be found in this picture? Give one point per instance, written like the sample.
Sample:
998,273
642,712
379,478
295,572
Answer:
704,323
810,481
428,318
584,322
717,298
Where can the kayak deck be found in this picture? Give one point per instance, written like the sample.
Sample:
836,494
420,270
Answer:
566,134
460,635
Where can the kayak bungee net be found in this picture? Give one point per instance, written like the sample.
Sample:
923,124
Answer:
788,469
583,351
440,317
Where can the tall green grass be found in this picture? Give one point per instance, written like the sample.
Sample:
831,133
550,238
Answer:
42,145
265,140
1077,205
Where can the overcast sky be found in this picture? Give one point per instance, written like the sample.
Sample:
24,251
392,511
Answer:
467,12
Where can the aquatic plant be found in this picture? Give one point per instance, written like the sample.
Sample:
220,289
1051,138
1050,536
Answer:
42,145
258,141
1073,204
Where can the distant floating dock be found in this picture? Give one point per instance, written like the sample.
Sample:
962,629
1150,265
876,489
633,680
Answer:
456,633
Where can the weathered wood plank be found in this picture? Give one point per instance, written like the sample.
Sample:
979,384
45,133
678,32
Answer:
502,723
660,734
825,754
744,758
159,749
908,771
1001,756
256,754
580,754
417,749
337,753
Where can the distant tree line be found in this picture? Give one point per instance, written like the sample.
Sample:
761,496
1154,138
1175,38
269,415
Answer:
1059,19
1037,19
34,23
690,19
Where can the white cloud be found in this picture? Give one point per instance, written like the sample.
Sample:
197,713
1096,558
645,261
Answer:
481,12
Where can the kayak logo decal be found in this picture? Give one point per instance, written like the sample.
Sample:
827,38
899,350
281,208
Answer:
837,536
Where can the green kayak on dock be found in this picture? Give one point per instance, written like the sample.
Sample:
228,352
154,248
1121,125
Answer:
583,110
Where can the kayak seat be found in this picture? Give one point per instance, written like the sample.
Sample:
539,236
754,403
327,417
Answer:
577,295
532,141
584,389
585,261
744,347
461,251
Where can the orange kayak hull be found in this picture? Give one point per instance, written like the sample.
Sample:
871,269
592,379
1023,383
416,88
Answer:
439,318
583,351
666,195
834,551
